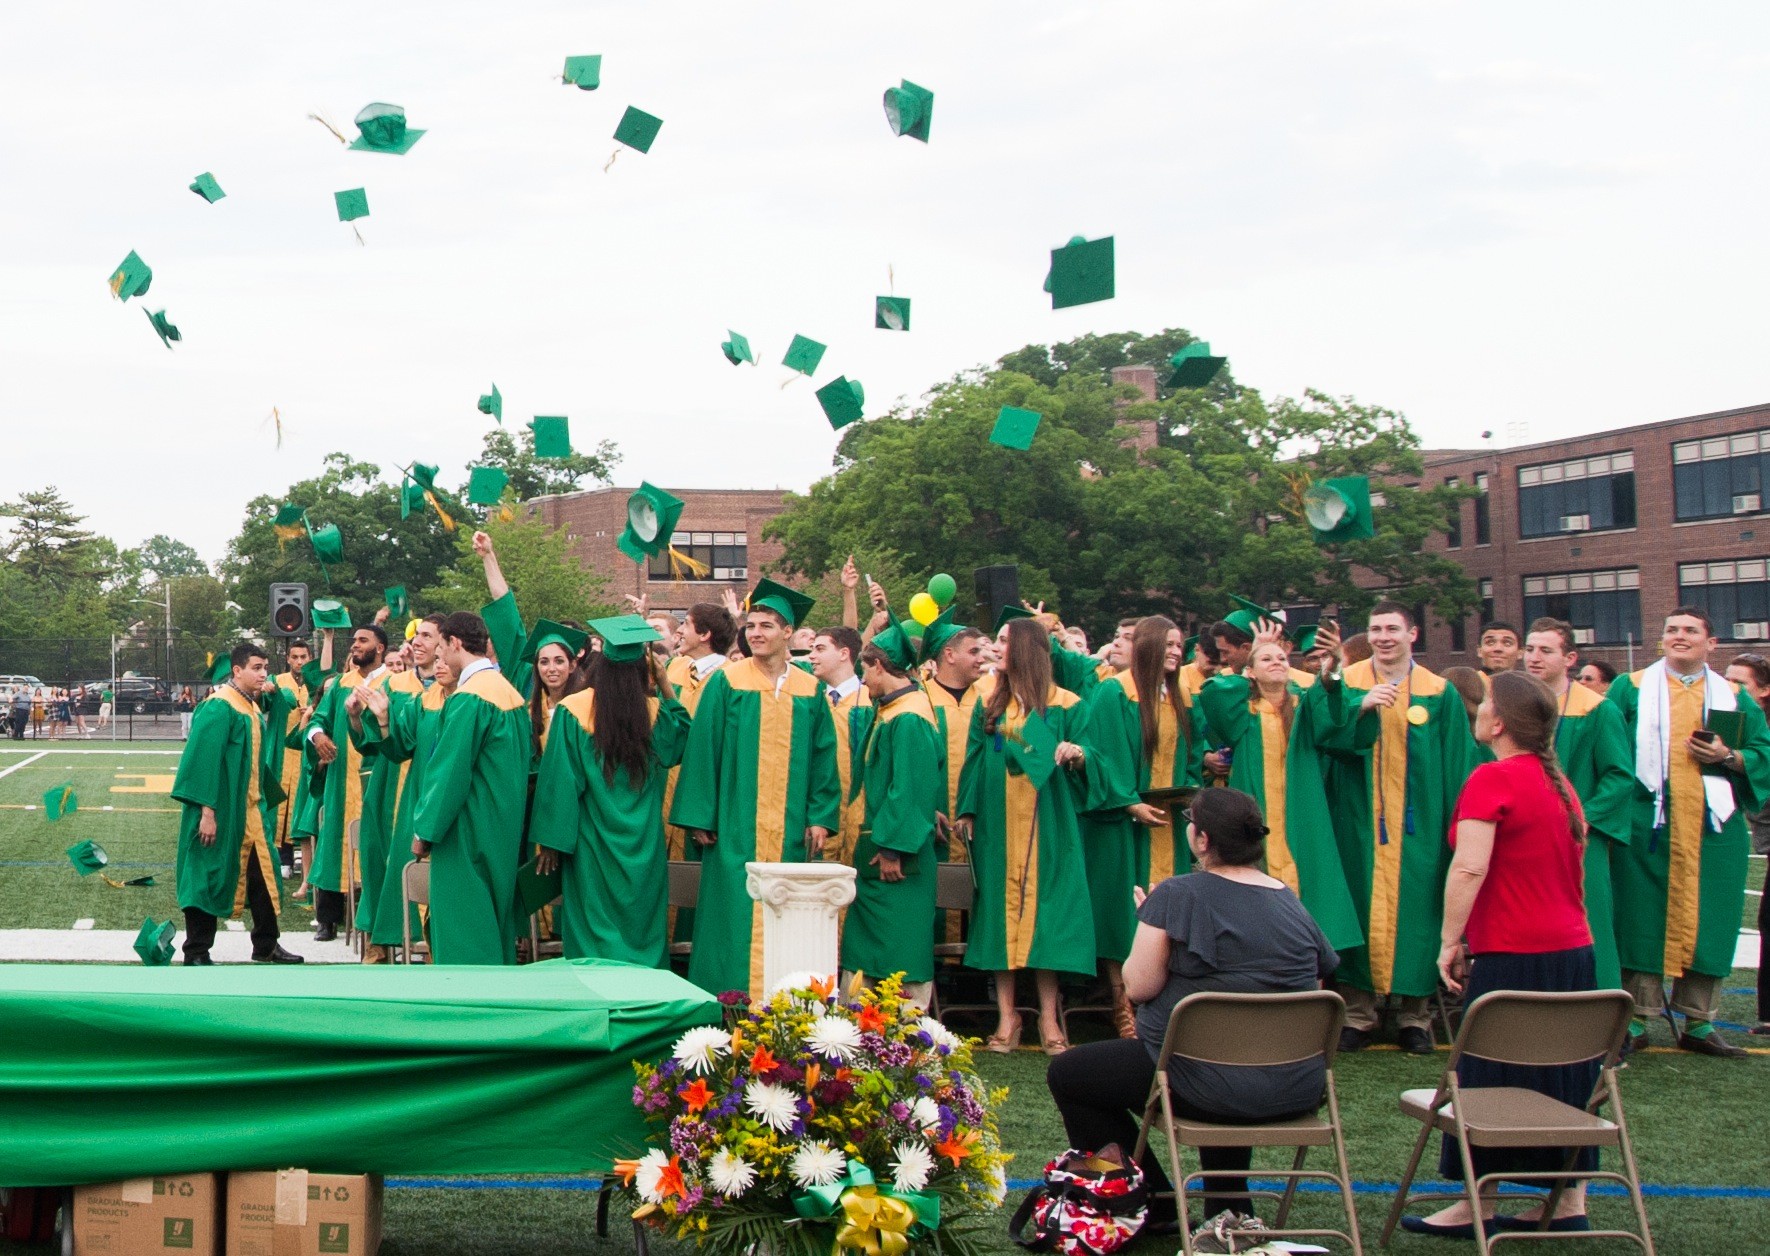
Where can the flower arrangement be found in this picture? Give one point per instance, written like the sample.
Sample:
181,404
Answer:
815,1121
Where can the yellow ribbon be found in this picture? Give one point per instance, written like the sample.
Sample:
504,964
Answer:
873,1223
447,522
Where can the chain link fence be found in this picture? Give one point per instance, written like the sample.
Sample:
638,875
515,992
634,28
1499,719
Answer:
54,688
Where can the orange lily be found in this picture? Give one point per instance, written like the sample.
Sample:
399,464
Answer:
823,987
871,1019
813,1071
958,1146
696,1096
763,1060
627,1168
670,1180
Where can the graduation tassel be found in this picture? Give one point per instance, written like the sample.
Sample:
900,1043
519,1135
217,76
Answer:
334,130
611,159
448,523
679,562
358,235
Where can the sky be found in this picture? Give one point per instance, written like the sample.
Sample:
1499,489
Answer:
1533,220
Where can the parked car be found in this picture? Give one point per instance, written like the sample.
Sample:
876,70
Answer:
11,682
137,695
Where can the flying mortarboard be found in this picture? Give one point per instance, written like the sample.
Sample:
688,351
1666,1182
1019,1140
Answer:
1081,272
131,278
87,857
485,485
1194,366
155,942
1339,509
737,350
329,612
61,801
584,72
353,203
411,497
328,543
898,645
493,404
790,604
1015,428
553,436
937,632
803,355
1306,637
291,522
206,187
395,597
1010,613
384,130
909,109
638,129
651,520
546,632
843,401
891,313
625,638
163,327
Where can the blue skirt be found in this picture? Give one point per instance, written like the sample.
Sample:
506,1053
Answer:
1554,972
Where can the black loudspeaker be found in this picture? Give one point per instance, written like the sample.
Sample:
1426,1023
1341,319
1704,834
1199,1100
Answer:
289,615
996,587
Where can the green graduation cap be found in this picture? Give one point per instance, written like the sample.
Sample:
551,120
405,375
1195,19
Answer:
60,801
1010,613
651,520
289,518
584,73
843,401
352,204
87,857
1015,428
891,313
485,485
221,668
395,597
424,474
411,497
154,942
1248,614
329,612
546,632
803,355
1306,635
535,890
737,350
163,327
1194,366
493,404
384,130
938,631
638,129
625,638
1188,648
1339,509
131,278
908,110
206,187
1081,272
328,543
791,604
898,645
553,436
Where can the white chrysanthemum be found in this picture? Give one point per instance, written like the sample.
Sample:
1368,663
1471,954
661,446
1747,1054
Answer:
940,1033
651,1167
833,1037
730,1174
912,1166
925,1112
775,1106
817,1164
998,1183
697,1049
798,981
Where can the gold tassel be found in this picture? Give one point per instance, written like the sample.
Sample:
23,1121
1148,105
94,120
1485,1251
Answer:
680,562
447,522
334,130
611,160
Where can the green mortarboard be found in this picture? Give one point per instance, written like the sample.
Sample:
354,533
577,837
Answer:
1015,428
638,129
891,313
1081,272
651,520
328,543
791,604
897,644
329,612
424,474
289,515
395,597
411,497
803,355
938,631
61,801
1248,614
553,436
584,72
163,327
535,890
493,404
1194,367
221,668
154,942
206,187
1010,613
1306,637
625,638
908,109
1036,750
737,350
546,632
384,130
485,485
1339,510
87,857
352,204
1188,648
131,278
843,401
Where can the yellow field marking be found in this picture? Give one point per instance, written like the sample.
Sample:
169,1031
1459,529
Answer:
151,783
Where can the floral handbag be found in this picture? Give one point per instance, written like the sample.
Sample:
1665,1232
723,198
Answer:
1090,1204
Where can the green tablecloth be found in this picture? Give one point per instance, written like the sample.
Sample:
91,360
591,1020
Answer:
111,1071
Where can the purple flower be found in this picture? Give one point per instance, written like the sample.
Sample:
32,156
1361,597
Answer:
924,1037
638,1096
690,1200
943,1050
871,1042
948,1120
734,998
923,1081
895,1054
900,1111
687,1136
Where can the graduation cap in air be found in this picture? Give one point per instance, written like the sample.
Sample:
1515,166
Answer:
790,604
290,523
625,638
737,350
395,597
803,355
328,543
61,801
329,612
584,73
1015,428
493,404
898,645
651,520
485,485
843,401
87,857
909,109
131,278
1011,613
163,327
353,203
553,436
638,129
1081,272
155,942
937,632
206,187
1194,366
546,633
1339,509
383,130
891,313
1248,614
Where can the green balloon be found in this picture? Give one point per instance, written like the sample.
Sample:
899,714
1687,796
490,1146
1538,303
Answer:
943,589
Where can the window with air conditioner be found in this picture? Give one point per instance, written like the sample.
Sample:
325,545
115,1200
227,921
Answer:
1576,523
1718,475
1754,630
1585,636
1599,489
1733,593
1604,607
1746,503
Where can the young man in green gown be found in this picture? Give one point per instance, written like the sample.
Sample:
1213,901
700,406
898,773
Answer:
341,796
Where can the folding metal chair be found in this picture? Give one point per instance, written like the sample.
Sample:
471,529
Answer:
1541,1030
685,892
954,891
1255,1030
414,891
540,948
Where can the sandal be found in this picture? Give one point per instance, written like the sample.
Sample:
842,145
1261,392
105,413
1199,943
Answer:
1053,1046
1005,1044
1124,1017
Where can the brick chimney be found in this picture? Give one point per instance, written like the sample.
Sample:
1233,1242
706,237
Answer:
1142,433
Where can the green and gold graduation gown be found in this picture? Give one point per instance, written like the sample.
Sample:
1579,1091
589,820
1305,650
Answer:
610,834
759,770
1027,846
341,796
288,761
687,682
851,716
890,926
508,636
1595,752
380,801
414,723
221,767
471,812
1281,768
1680,886
1393,776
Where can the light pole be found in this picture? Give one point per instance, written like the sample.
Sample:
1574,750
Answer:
168,605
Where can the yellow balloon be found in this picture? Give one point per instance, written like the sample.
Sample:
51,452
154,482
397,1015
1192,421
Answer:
924,609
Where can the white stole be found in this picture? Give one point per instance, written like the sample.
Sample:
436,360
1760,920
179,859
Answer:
1653,736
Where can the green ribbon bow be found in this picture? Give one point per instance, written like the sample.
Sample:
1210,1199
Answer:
869,1217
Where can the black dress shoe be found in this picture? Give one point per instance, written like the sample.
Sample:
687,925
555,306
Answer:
325,933
1414,1041
200,958
277,955
1711,1043
1419,1225
1354,1039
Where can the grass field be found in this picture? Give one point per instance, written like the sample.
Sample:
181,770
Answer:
1699,1123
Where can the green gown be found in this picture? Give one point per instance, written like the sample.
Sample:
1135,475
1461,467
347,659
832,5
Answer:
1680,885
890,926
610,834
759,770
1595,752
414,723
380,800
1393,842
279,707
340,799
1027,848
222,768
471,810
504,626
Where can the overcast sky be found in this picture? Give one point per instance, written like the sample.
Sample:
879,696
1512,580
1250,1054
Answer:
1539,219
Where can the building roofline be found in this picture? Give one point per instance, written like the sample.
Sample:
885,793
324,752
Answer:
1449,455
634,488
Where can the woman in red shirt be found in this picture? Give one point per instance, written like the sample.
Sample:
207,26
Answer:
1515,892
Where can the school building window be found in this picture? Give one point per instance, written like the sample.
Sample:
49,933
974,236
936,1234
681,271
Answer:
1721,476
1580,495
1604,607
1483,517
725,554
1486,588
1453,535
1735,595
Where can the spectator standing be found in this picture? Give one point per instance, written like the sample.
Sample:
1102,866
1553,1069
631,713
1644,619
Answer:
184,704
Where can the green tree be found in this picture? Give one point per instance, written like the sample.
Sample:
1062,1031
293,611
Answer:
549,582
1097,355
531,477
47,541
162,557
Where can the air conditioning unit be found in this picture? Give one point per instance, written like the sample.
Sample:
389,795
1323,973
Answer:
731,573
1584,636
1747,503
1576,523
1757,630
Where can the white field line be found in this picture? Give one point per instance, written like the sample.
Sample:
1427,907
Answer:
22,763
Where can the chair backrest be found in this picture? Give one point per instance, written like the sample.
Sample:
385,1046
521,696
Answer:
685,883
1255,1029
952,887
1542,1029
417,881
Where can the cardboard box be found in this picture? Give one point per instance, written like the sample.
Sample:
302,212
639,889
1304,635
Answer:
296,1213
179,1215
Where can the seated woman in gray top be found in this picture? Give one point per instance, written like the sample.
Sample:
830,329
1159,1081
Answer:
1225,927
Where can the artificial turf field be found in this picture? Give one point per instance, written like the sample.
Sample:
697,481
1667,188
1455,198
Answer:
1699,1123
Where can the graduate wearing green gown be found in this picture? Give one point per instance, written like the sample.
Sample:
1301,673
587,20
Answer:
381,795
340,801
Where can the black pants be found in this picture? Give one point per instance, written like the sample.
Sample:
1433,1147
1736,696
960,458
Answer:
328,906
1100,1089
1764,958
19,719
199,925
